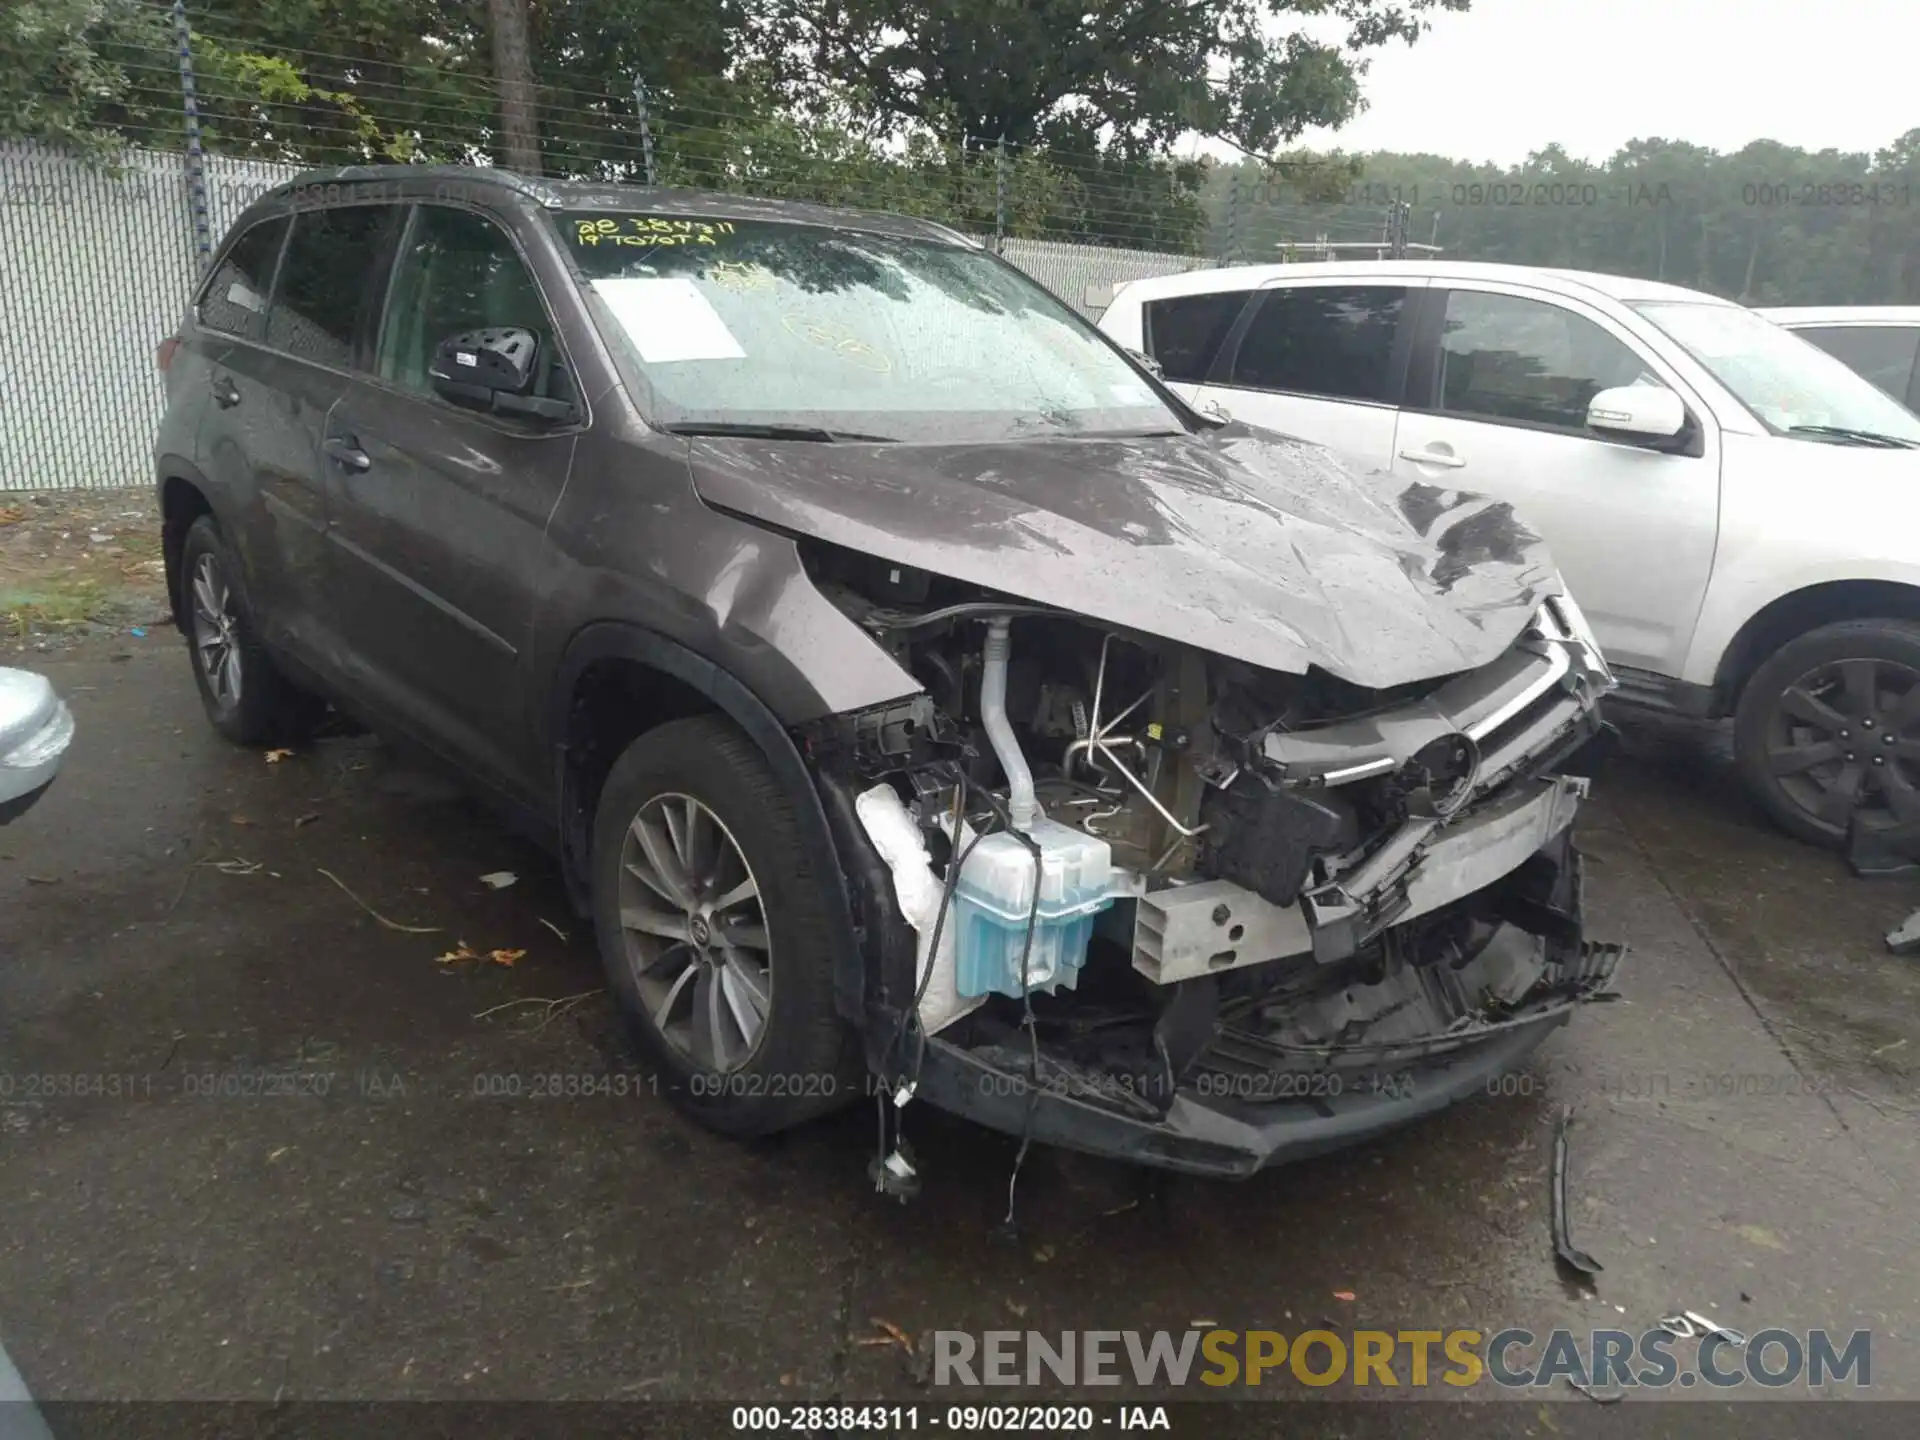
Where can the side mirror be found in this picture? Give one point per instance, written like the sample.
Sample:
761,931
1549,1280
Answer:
493,369
1649,412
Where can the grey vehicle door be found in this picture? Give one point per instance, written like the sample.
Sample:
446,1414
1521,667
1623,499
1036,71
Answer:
275,398
439,512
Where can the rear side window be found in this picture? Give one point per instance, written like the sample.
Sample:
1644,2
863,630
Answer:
1330,340
235,301
1506,357
1185,332
324,282
1884,354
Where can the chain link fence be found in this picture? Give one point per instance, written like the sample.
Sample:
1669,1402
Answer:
98,263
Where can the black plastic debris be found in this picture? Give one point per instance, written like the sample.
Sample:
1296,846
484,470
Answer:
1874,854
1569,1254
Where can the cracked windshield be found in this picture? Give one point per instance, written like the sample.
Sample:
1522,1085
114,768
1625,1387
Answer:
737,322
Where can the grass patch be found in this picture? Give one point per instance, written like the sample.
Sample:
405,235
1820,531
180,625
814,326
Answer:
63,604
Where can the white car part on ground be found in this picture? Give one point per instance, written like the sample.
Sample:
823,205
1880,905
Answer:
35,729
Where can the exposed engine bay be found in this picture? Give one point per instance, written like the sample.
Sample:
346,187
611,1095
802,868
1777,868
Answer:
1133,871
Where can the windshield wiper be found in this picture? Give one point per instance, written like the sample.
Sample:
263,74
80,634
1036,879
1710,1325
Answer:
753,430
1858,437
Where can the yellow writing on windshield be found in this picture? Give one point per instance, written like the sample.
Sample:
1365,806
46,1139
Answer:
738,276
831,335
650,230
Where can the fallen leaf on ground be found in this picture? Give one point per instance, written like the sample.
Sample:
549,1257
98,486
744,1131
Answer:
463,951
239,820
1043,1254
278,1153
1343,1294
305,819
274,757
499,879
894,1336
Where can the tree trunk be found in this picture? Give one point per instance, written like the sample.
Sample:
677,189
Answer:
513,72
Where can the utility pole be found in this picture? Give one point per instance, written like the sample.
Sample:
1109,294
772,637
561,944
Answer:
1230,242
646,130
513,72
196,168
1000,197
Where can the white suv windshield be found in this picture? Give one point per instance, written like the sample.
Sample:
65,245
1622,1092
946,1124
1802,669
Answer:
744,323
1794,387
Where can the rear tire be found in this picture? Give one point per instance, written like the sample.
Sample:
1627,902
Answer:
246,697
713,933
1829,727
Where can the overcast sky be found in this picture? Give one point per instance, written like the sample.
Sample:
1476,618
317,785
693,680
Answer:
1510,76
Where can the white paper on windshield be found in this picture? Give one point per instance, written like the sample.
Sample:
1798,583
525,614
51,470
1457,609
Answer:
669,319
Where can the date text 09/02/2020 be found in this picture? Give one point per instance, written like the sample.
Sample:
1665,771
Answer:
951,1419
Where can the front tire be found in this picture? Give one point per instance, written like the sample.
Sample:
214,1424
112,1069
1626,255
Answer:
1829,729
246,697
713,932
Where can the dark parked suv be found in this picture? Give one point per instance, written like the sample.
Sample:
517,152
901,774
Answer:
916,694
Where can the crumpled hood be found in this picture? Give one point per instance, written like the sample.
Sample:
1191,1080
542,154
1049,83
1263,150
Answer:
1237,541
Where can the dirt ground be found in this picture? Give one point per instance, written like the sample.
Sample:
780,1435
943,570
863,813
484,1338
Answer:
76,564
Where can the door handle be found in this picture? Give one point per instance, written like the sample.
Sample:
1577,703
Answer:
225,393
345,452
1433,457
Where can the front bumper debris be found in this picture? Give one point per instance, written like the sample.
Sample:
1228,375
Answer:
1248,1096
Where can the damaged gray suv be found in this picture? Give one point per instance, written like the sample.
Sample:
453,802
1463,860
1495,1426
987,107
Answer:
921,699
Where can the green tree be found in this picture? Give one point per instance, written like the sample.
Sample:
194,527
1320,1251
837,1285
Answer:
1126,75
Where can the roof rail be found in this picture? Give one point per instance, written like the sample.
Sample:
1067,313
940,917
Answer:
471,174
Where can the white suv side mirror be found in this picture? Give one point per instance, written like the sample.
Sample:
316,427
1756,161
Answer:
1650,411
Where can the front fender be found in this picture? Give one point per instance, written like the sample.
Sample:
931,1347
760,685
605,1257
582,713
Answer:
1733,600
620,640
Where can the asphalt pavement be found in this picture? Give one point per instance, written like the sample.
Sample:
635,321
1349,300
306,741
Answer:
259,1142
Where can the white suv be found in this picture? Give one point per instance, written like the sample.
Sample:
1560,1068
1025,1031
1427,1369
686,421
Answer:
1737,512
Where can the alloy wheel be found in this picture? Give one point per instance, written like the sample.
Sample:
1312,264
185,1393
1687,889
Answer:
216,632
695,932
1844,739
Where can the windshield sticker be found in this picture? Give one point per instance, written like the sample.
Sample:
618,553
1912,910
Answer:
839,339
238,294
669,320
650,230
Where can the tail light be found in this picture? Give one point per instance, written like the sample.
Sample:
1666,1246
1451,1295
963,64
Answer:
169,347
